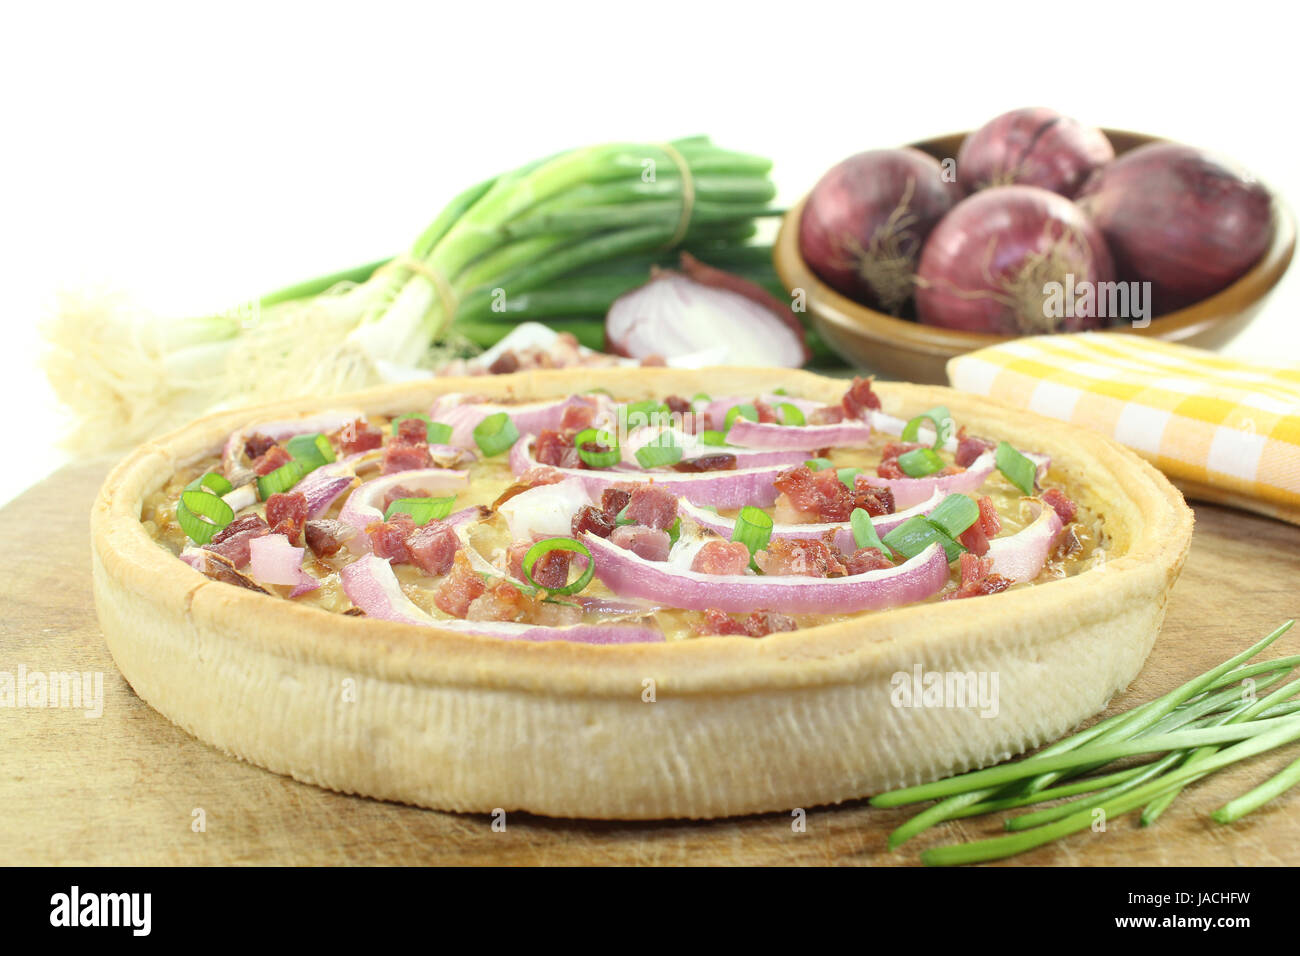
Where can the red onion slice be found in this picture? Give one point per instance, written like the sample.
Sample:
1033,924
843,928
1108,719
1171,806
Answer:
721,489
463,414
842,531
692,447
790,437
273,560
715,411
913,491
372,586
363,505
1021,556
628,575
323,486
233,452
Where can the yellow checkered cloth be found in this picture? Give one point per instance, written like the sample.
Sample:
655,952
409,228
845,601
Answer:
1222,429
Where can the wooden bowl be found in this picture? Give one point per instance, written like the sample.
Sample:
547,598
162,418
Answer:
902,349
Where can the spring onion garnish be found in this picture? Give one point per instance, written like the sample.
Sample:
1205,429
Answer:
920,462
955,514
622,518
753,529
744,410
1200,727
939,417
790,414
495,434
437,432
602,439
675,530
311,451
423,510
848,476
282,479
559,544
212,483
1017,469
817,464
648,412
864,532
711,437
916,534
664,450
700,400
202,515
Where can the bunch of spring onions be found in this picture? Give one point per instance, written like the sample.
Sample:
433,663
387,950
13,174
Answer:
1205,725
560,238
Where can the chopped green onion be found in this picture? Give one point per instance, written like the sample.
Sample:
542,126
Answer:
436,433
423,510
920,462
753,529
817,464
790,414
622,518
211,482
939,417
559,544
281,480
311,451
1017,469
711,437
779,391
864,532
675,530
955,514
848,476
598,459
194,507
664,450
701,398
744,410
495,434
649,412
916,534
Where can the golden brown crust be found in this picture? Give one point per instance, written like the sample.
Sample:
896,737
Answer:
209,654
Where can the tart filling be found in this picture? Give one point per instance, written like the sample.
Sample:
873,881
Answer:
590,519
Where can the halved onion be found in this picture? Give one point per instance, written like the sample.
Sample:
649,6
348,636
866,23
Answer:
273,560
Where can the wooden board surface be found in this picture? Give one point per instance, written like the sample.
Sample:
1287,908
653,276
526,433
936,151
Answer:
125,787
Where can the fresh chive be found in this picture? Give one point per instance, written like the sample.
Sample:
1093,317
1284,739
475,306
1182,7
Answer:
790,414
201,515
559,544
212,483
939,417
955,514
436,433
920,462
612,454
744,410
753,529
848,476
675,530
281,480
495,434
1275,786
423,510
865,534
622,518
916,534
664,450
1015,467
817,464
712,437
648,412
311,451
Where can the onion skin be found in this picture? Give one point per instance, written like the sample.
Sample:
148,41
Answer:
985,265
1181,219
865,221
1036,146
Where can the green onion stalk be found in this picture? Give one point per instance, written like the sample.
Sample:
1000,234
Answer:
558,240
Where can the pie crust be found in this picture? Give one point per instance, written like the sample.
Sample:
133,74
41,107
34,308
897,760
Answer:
736,725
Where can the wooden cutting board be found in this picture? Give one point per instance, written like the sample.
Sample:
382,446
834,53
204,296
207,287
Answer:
129,788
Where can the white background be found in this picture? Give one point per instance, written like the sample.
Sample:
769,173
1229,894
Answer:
195,156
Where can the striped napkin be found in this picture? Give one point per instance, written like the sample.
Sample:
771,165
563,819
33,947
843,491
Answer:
1222,429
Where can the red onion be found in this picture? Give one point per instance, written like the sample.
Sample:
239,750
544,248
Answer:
463,414
866,220
545,511
372,586
768,435
1185,221
715,411
912,491
702,311
1010,261
233,452
363,506
794,452
842,530
1021,556
273,560
323,486
1032,147
628,575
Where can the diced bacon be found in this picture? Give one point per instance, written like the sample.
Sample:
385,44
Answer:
578,415
550,571
974,539
286,513
614,500
399,456
325,536
231,542
976,579
257,445
412,431
388,538
815,495
1065,509
721,557
459,588
715,461
357,437
989,520
271,459
397,492
970,448
889,468
871,499
649,543
860,399
826,415
678,405
556,449
505,363
757,624
500,602
809,558
866,559
766,413
590,518
653,506
432,547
